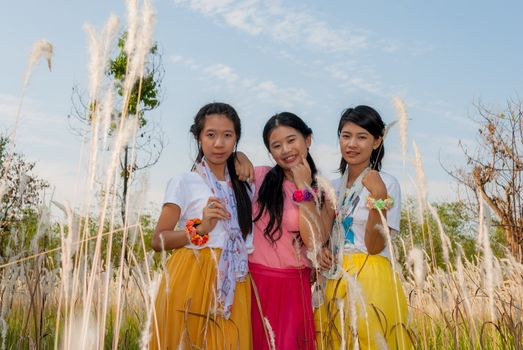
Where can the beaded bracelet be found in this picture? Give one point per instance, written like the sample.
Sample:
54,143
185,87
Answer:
380,204
195,238
302,195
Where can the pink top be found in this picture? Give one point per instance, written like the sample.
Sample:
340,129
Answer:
286,252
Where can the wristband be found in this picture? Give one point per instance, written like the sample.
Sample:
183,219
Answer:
195,238
302,196
380,204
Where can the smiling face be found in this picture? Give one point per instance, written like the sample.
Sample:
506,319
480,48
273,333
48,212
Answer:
288,146
217,138
357,144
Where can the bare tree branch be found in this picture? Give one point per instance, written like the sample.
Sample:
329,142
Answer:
495,169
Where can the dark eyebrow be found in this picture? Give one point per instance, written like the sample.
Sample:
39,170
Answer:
213,130
366,133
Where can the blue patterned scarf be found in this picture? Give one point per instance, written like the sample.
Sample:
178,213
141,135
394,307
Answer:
233,265
342,235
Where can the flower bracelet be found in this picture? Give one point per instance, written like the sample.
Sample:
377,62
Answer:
196,238
380,204
302,195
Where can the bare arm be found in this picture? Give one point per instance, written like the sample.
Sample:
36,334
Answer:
244,167
328,213
311,225
315,227
374,239
314,221
172,239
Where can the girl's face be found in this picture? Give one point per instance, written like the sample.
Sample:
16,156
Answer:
357,144
217,138
288,146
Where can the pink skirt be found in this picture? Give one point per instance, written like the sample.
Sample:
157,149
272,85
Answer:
286,302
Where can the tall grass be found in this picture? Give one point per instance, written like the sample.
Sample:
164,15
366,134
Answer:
88,282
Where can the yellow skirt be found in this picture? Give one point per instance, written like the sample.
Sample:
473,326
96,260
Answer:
370,309
186,302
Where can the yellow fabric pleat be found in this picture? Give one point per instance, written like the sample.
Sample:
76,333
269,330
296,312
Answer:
377,300
185,303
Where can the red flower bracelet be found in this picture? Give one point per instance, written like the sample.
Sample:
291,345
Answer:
196,238
302,195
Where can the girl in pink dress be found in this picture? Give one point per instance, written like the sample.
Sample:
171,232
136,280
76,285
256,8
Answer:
285,228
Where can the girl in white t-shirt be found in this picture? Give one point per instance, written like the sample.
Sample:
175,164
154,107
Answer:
362,283
204,299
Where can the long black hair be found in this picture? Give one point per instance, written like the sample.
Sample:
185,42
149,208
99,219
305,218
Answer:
369,119
270,195
241,189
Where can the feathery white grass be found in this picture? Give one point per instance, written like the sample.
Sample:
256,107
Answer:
484,243
381,342
417,266
340,304
41,48
420,175
83,283
403,117
100,45
268,327
445,241
132,26
152,290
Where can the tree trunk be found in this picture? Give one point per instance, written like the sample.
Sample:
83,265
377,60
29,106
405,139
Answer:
125,176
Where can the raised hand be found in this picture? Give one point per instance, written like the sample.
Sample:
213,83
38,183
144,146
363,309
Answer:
373,182
302,174
213,211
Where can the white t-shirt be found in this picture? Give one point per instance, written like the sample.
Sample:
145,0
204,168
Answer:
361,214
190,192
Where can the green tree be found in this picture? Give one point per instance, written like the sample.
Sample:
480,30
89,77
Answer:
22,194
459,224
25,229
144,97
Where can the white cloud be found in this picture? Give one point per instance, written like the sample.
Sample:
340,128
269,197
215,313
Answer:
286,97
352,76
222,72
295,26
207,7
244,18
282,24
175,59
30,112
264,90
440,109
178,59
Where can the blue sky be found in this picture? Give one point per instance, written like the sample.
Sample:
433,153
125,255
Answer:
309,57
